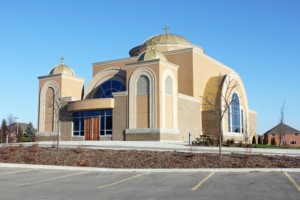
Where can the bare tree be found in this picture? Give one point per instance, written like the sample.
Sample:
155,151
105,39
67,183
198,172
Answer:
281,121
219,100
58,105
54,102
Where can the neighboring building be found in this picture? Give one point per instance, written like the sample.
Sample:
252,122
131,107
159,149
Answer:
155,94
15,127
290,136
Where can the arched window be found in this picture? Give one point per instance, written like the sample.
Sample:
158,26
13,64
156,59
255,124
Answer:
169,86
235,111
142,86
106,89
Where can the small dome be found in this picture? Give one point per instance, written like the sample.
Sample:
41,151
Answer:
151,54
166,39
62,69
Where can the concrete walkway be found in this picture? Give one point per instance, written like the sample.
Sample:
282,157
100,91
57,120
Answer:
168,146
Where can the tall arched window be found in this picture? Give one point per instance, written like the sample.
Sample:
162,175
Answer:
235,110
106,89
142,102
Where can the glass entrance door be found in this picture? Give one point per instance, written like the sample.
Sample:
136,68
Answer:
93,124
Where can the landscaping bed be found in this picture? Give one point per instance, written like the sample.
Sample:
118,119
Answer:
106,158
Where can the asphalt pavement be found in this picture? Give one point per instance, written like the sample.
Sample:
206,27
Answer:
36,184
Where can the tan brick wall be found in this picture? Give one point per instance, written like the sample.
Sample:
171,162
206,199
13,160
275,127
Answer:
189,119
253,125
119,118
143,137
185,72
169,111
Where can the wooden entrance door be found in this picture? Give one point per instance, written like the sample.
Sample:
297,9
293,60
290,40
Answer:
91,128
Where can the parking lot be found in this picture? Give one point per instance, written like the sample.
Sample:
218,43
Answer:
24,183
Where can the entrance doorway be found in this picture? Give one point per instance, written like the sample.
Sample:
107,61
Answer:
93,125
91,128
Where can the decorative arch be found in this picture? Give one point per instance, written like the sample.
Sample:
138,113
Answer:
133,93
53,85
169,74
243,102
101,77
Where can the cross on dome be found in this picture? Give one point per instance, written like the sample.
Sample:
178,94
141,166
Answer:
62,60
166,28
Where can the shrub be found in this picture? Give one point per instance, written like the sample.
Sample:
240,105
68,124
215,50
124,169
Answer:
240,144
253,140
230,142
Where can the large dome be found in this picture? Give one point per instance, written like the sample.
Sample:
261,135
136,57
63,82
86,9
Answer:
151,54
166,39
162,42
62,69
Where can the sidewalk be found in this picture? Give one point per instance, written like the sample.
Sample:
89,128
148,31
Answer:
167,146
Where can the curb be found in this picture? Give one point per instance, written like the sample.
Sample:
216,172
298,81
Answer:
94,169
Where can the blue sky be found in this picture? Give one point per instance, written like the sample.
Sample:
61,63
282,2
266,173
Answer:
260,39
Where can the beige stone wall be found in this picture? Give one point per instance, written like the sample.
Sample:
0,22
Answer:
65,122
169,111
72,87
119,117
189,118
120,63
204,68
185,72
152,134
92,104
66,130
210,123
143,137
252,124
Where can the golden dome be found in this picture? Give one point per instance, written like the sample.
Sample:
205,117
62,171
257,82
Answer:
166,39
163,42
151,54
62,69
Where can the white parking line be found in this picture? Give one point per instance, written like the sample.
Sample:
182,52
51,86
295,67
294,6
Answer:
50,179
126,179
201,182
292,180
15,172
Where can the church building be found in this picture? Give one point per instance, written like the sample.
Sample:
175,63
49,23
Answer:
165,90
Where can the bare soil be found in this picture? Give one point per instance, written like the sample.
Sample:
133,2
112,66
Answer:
105,158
